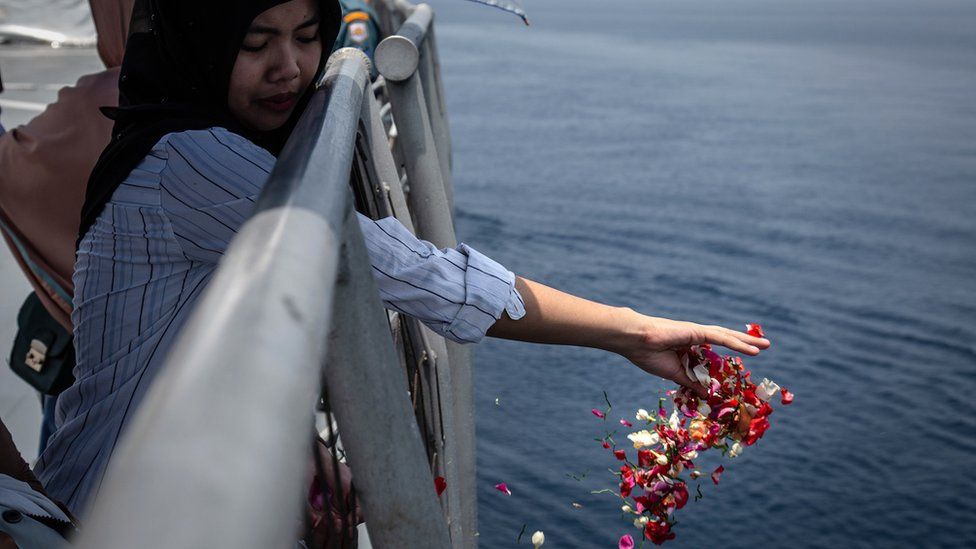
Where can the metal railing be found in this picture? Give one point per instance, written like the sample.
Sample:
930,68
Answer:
408,63
217,453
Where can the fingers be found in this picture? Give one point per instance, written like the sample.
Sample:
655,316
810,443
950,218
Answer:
729,338
759,342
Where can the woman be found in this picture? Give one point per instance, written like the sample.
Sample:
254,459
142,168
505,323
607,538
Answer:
211,91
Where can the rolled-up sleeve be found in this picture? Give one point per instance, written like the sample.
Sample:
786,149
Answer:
458,292
208,188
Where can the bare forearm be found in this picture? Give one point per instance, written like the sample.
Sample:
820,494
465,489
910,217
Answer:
653,344
555,317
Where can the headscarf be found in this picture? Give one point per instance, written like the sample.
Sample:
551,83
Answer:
175,77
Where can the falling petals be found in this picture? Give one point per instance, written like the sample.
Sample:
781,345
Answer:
755,330
503,488
658,532
538,539
765,390
598,413
440,485
717,473
732,415
644,438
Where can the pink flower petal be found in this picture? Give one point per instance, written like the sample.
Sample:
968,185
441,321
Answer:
598,413
626,542
501,487
626,423
717,473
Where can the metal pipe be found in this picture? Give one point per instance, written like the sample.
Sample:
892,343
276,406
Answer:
428,202
397,55
367,392
436,113
383,161
459,486
215,457
436,62
456,497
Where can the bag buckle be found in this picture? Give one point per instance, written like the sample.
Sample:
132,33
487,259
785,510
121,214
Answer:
36,355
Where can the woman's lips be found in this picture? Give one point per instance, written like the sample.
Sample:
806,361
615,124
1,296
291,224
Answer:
279,103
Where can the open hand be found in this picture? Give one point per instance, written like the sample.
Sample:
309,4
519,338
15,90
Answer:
660,344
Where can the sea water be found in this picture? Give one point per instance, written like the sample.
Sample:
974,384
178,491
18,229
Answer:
808,165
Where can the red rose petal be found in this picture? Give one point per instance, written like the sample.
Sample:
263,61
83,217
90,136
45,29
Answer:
755,330
501,487
717,473
440,485
787,396
620,454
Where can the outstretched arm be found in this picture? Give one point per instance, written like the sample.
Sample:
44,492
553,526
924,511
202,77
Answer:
653,344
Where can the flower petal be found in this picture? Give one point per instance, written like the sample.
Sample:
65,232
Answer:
626,423
440,485
598,413
755,330
503,488
787,396
717,473
626,542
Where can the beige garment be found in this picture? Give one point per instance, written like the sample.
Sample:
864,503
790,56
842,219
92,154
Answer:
44,169
112,25
45,164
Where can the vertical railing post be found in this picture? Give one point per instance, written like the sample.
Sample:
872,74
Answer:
367,393
429,73
385,168
397,59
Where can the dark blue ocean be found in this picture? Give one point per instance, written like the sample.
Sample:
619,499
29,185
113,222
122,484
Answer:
806,164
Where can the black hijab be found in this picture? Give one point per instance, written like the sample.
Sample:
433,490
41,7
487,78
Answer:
175,77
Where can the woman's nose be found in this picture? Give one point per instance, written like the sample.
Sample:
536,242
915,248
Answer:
285,66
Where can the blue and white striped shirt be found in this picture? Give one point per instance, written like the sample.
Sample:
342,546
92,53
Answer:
146,260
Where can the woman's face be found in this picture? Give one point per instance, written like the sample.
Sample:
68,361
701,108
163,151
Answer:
277,61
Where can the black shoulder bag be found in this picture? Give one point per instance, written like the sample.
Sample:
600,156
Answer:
43,354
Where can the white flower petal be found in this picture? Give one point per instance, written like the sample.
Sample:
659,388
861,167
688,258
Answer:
766,390
701,375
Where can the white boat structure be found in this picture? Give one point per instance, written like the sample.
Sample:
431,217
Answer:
58,23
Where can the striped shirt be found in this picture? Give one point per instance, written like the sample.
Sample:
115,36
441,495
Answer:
147,259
